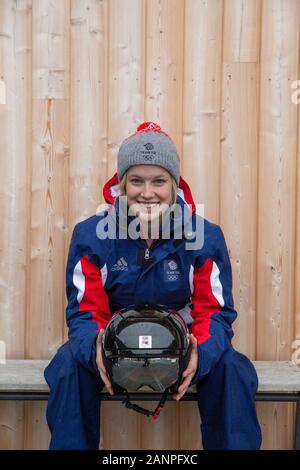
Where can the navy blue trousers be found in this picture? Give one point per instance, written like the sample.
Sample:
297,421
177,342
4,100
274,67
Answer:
225,400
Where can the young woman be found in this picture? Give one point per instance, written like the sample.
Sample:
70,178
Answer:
150,247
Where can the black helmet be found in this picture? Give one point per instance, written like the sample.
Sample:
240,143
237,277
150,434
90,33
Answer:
146,347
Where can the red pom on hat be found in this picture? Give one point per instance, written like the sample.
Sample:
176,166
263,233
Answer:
150,126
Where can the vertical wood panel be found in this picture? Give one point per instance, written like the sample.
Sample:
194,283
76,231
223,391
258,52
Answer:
164,66
190,435
241,30
277,198
50,151
162,433
15,34
126,74
88,108
202,102
238,196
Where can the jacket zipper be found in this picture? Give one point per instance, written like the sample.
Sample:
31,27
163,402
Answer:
147,250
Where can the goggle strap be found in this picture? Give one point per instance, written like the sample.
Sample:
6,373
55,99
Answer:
154,414
161,404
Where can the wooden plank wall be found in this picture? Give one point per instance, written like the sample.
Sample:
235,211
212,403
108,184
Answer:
76,77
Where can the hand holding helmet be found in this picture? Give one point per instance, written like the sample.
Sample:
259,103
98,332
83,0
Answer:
99,361
190,371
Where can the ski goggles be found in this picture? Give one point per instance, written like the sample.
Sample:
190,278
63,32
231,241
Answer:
154,373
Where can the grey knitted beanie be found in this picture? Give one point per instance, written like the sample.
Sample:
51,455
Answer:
149,145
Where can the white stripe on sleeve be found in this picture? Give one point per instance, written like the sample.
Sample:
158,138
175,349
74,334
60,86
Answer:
79,281
104,274
216,286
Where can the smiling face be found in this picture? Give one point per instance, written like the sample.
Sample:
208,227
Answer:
149,190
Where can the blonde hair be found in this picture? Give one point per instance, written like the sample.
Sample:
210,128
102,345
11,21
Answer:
174,188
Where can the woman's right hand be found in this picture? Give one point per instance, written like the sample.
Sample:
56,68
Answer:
99,361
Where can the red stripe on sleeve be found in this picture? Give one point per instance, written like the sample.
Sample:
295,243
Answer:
95,298
205,303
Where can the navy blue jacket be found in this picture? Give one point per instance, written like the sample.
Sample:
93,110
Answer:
104,275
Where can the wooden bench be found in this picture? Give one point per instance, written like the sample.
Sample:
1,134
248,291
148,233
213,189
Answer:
279,381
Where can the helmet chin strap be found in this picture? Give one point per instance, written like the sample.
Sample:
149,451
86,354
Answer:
154,414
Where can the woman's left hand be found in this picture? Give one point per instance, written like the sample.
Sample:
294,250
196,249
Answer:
189,372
